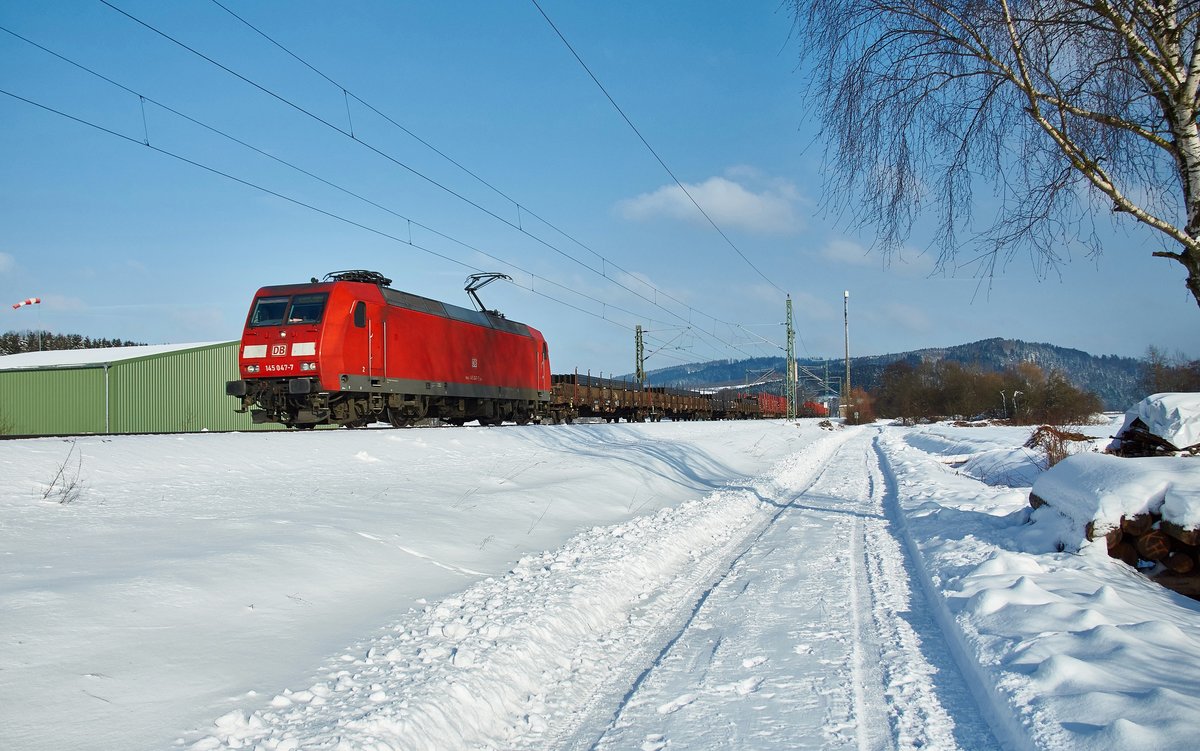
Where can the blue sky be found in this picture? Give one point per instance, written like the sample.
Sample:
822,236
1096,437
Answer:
121,240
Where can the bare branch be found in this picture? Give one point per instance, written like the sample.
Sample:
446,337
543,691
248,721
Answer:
1063,106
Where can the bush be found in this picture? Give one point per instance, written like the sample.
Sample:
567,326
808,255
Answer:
1055,443
1023,394
860,409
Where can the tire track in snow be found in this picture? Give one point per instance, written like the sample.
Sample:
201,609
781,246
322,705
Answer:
771,657
835,654
928,698
867,680
981,722
595,721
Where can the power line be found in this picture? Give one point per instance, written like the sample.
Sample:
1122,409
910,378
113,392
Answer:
428,179
646,143
519,206
533,277
298,202
143,99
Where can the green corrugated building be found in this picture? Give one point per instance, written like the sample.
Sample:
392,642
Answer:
156,389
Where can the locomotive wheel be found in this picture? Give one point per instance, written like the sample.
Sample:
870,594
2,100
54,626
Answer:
398,419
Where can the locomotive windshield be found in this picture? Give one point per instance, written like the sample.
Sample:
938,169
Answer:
307,308
275,311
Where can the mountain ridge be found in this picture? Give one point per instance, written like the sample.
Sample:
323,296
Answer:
1113,378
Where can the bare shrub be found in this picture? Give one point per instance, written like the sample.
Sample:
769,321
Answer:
1054,443
66,485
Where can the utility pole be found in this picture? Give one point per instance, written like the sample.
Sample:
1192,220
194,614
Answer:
640,353
846,321
790,379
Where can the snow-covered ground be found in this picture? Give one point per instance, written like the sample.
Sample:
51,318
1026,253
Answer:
747,585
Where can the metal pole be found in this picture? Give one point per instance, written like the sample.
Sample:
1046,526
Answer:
846,322
640,354
790,378
107,423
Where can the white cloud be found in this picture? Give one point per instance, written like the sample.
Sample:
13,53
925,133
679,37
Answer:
848,252
744,199
7,263
905,261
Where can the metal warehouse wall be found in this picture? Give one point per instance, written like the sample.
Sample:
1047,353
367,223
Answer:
176,392
53,401
173,392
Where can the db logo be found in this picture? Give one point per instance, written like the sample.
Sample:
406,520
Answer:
474,362
278,350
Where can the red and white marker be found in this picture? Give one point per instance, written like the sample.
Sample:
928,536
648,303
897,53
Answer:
30,301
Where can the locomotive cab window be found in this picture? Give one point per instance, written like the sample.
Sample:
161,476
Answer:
360,314
268,311
307,308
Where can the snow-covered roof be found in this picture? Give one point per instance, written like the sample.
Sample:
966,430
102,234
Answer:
1173,417
76,358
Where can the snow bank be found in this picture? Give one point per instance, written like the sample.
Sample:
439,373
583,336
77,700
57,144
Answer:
1074,651
483,588
1100,488
996,455
192,571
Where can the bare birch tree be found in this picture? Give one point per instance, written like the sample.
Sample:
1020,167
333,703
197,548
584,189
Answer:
1070,109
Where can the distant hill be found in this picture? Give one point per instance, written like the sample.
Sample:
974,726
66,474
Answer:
1114,379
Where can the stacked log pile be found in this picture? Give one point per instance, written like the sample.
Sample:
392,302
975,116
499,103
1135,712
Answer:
1137,440
1150,539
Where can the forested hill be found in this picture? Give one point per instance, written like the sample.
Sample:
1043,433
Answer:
1114,379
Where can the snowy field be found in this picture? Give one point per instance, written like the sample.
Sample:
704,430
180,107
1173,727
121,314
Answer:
739,585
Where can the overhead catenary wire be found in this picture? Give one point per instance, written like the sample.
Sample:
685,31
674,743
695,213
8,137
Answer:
534,277
144,99
516,226
334,215
652,151
295,201
441,153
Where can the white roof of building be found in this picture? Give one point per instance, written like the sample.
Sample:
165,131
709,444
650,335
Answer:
77,358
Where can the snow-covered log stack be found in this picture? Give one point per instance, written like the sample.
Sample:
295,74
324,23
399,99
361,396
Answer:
1143,510
1160,425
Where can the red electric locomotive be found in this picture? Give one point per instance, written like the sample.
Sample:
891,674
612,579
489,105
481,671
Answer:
350,350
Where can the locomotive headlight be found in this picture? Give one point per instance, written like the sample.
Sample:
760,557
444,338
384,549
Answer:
251,368
308,366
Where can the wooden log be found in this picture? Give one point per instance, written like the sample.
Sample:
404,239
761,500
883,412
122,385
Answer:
1186,536
1125,551
1137,525
1187,585
1037,501
1153,546
1111,536
1180,562
1114,537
